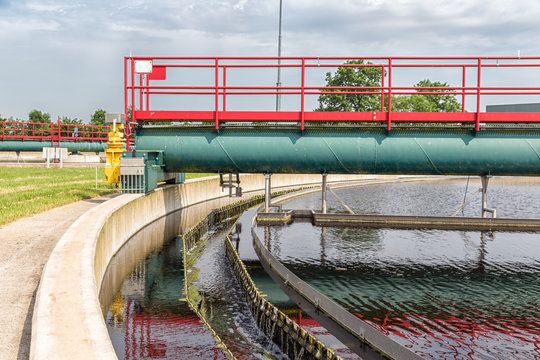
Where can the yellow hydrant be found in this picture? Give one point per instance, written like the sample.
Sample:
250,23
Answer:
116,144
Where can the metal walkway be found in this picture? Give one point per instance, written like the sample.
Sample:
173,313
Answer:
241,89
220,116
400,222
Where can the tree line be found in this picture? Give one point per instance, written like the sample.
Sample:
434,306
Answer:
38,116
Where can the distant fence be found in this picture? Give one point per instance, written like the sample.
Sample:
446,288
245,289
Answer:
54,132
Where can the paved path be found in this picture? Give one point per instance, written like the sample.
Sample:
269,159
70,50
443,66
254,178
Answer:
25,246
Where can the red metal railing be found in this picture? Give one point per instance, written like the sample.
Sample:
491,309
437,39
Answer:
466,85
53,132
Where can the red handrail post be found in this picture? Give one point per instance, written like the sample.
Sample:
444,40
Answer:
463,84
477,126
147,92
51,126
389,126
133,117
141,91
132,69
303,91
59,131
126,99
224,88
382,88
216,115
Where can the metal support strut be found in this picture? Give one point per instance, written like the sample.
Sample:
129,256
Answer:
267,192
485,209
231,184
323,205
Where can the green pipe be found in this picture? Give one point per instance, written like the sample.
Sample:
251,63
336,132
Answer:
344,151
36,145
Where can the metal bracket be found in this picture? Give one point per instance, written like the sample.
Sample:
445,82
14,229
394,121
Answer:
231,184
485,209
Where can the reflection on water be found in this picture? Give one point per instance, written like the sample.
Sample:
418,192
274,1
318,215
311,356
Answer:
445,294
148,320
147,317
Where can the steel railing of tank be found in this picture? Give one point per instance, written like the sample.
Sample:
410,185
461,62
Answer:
470,81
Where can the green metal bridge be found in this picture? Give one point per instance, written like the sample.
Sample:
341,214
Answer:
221,120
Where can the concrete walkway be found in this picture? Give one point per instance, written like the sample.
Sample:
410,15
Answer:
25,246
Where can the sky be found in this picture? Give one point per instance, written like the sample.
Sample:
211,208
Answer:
65,57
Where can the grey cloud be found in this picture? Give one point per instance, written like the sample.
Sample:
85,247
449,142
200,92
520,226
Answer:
70,61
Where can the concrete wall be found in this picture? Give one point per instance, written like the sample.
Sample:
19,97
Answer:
68,320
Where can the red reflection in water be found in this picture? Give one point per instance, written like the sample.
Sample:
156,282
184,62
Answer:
166,336
443,335
183,336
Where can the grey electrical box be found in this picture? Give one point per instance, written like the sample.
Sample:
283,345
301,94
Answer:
132,166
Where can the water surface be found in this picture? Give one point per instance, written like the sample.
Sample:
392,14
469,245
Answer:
445,294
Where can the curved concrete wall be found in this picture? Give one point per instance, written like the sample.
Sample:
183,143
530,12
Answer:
68,321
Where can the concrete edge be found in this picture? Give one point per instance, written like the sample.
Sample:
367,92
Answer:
93,316
42,346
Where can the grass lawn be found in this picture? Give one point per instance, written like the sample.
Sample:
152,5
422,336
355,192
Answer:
27,191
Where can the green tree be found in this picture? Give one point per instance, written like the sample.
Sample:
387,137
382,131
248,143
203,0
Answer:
6,129
69,127
349,76
74,121
98,118
358,76
427,103
39,117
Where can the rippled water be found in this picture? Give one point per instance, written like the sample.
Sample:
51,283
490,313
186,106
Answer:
445,294
224,303
148,319
276,296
